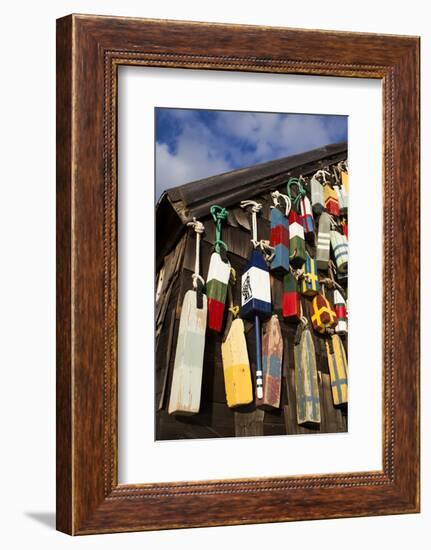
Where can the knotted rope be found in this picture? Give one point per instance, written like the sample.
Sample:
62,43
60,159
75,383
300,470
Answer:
199,229
301,193
276,195
219,215
267,250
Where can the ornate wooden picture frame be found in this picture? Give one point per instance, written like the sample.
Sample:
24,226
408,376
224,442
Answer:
89,51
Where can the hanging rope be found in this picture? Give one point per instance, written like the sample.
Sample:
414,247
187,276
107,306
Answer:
276,195
256,207
199,229
301,193
219,215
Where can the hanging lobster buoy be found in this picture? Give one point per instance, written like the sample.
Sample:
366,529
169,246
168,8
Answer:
331,201
307,218
256,292
340,310
296,229
307,388
323,316
338,370
272,360
291,309
296,240
310,281
340,249
323,241
317,197
342,200
218,274
186,384
280,234
236,365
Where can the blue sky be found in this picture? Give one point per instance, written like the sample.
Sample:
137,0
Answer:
192,143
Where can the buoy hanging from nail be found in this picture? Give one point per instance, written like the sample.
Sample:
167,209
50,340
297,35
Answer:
236,365
306,382
186,384
296,229
317,196
323,241
323,316
339,303
301,204
280,233
272,361
340,250
256,291
291,308
331,200
338,369
310,280
218,273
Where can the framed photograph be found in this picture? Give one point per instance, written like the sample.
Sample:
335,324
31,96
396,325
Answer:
237,274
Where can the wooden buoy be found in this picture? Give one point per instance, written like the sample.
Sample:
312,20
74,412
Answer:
186,384
236,366
307,388
340,310
338,370
256,292
296,240
272,360
307,218
340,250
331,200
342,199
296,228
317,197
291,308
218,273
280,234
323,242
310,281
323,316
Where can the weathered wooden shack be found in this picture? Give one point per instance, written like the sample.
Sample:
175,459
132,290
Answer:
175,249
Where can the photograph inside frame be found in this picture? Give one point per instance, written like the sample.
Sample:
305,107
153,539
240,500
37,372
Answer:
251,304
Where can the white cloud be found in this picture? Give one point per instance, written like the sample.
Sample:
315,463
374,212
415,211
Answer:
245,138
193,159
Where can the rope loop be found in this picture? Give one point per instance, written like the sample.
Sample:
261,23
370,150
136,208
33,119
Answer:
276,195
301,193
199,229
219,214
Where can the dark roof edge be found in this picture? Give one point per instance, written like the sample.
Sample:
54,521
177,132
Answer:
227,188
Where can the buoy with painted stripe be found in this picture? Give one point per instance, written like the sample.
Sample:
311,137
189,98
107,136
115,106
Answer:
317,198
218,273
291,308
331,200
323,241
341,311
280,234
310,281
296,240
338,369
306,381
340,250
256,292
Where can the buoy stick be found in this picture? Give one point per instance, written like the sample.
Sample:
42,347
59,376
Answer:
259,372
